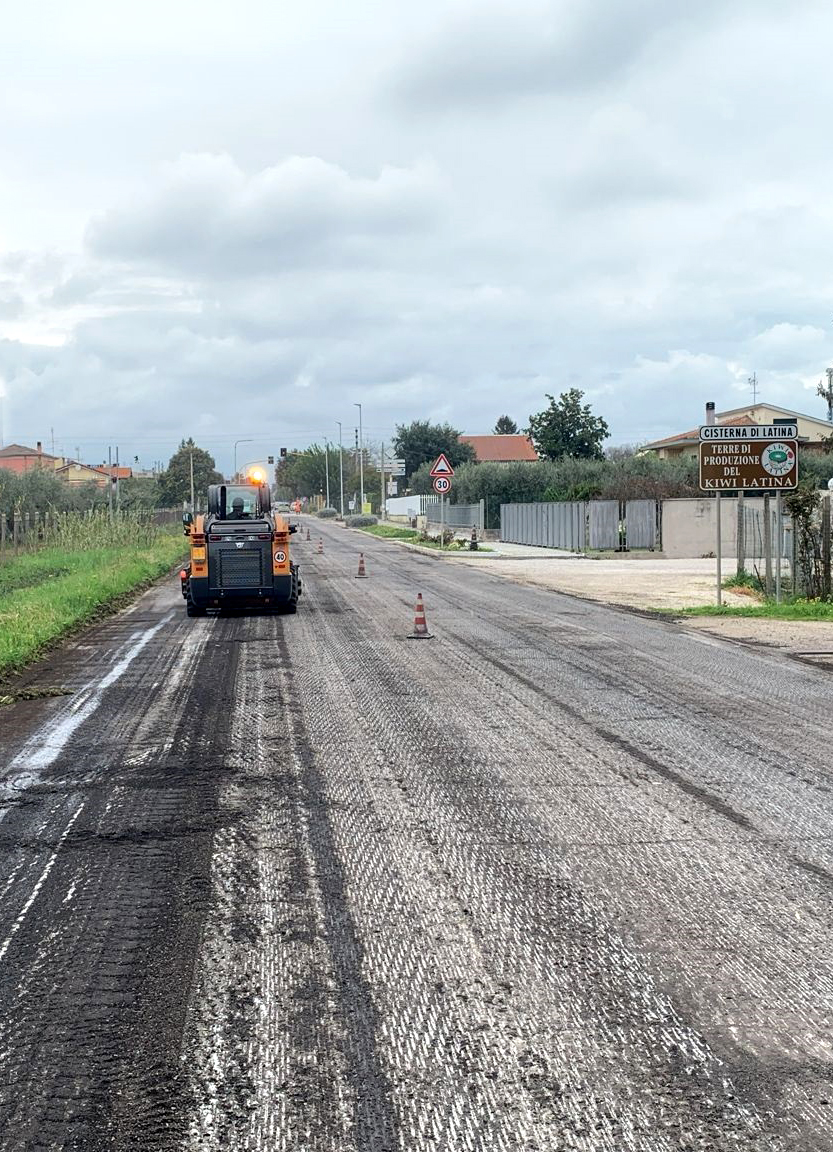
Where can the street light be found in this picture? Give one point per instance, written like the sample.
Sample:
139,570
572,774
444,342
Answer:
361,454
340,469
246,440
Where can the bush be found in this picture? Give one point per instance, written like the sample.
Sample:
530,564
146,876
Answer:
327,513
361,521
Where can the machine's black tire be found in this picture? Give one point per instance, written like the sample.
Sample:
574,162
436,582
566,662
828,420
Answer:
192,609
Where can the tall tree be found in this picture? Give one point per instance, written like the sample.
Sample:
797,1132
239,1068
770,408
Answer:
506,426
175,481
420,442
568,428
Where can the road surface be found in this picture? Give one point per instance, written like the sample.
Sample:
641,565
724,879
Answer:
559,878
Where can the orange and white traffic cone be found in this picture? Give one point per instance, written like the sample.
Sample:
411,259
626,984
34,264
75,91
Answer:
308,536
361,574
420,631
320,546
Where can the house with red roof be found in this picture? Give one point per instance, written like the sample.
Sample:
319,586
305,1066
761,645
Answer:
508,449
19,458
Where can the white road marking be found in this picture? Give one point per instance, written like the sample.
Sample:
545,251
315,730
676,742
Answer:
48,742
4,947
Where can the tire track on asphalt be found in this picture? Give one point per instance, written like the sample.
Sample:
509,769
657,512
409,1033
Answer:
534,952
748,1075
93,989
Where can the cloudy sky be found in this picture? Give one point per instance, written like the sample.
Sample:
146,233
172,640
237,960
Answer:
238,220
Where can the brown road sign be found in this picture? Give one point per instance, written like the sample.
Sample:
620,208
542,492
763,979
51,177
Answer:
748,464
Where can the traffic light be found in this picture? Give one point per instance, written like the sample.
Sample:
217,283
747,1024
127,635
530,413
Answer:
283,453
270,459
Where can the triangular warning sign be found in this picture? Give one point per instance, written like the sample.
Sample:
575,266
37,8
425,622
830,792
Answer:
442,466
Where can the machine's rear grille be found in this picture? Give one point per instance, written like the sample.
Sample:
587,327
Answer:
241,568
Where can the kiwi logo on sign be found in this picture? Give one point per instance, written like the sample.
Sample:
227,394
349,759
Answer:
778,459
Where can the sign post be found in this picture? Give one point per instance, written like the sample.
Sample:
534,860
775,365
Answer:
742,458
442,473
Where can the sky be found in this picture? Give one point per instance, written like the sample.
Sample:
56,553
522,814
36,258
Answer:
239,221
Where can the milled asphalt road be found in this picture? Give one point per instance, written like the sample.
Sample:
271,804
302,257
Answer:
559,878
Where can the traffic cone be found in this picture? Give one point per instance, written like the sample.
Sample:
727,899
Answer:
420,631
307,533
320,546
361,574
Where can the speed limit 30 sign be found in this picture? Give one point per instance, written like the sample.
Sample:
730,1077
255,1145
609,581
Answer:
442,484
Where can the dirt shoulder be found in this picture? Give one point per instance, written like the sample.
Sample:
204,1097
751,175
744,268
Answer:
656,584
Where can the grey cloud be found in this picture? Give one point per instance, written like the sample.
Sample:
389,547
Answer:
210,216
500,51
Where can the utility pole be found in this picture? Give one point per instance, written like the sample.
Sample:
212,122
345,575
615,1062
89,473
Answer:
827,394
109,481
340,470
118,482
327,468
191,454
246,440
361,455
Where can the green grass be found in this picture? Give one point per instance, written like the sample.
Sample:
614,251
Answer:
393,532
789,610
49,594
390,532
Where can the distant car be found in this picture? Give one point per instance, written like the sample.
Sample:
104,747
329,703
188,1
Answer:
282,506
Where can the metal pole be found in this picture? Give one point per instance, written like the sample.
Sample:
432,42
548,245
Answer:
741,536
118,482
340,470
247,440
767,547
110,482
719,542
718,534
361,455
779,536
191,454
382,501
327,468
442,522
825,546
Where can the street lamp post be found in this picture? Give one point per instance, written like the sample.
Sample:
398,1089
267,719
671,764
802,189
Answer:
327,468
340,470
361,454
246,440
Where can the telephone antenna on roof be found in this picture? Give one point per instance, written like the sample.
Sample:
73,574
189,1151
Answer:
753,384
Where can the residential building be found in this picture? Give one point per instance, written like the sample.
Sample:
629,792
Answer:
500,449
812,431
75,473
19,458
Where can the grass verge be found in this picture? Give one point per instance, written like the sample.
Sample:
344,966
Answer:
789,610
389,532
51,593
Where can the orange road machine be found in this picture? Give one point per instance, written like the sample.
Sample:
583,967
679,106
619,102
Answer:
239,553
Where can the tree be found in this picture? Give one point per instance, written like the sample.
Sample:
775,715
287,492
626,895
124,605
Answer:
568,428
506,426
420,442
175,481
